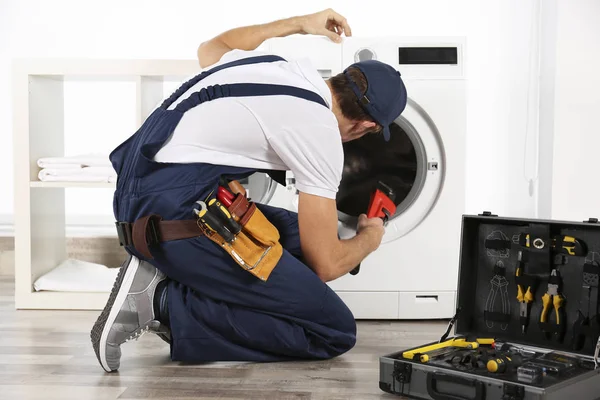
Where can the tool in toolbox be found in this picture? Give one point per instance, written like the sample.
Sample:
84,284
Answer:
469,359
499,285
552,363
587,323
530,374
556,299
381,205
501,363
561,243
510,348
422,355
212,222
525,289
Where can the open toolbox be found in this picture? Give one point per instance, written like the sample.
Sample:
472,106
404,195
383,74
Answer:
527,323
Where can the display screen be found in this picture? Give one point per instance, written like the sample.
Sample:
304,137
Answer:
428,55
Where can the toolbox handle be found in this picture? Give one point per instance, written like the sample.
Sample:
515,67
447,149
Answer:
433,378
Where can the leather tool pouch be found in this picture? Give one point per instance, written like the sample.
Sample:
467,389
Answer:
256,248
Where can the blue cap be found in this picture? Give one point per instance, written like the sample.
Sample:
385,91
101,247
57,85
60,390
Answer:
385,98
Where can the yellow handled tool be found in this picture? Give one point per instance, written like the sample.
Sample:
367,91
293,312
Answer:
210,221
553,297
499,364
456,342
524,296
225,216
562,244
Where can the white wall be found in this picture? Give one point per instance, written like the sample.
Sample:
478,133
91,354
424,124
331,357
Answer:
575,184
497,64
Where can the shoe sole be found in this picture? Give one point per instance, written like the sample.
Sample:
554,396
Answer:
106,319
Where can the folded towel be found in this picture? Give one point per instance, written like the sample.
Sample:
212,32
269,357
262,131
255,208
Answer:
78,178
87,174
60,166
77,276
85,160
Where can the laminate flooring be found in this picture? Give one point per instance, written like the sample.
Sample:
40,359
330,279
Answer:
48,355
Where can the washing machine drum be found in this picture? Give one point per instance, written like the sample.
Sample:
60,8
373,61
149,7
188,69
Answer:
371,159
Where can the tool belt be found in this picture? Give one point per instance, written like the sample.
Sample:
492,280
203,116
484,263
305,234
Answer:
255,247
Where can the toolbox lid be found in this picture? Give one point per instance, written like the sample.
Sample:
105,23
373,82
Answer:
499,253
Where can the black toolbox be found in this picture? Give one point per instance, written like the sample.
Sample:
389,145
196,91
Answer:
491,355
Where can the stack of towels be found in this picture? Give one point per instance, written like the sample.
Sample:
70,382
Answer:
82,168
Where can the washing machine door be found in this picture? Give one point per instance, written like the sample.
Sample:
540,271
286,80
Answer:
411,164
259,187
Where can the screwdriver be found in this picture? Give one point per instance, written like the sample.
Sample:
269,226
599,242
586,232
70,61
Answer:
212,222
215,207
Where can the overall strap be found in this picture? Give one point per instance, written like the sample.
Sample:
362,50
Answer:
244,61
246,90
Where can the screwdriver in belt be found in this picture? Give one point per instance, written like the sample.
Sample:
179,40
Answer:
213,223
218,209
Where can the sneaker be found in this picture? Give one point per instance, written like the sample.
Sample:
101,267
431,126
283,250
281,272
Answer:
129,312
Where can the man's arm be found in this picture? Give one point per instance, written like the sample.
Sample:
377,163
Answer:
327,23
325,253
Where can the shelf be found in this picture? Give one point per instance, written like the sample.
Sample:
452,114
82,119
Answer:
62,300
100,185
42,92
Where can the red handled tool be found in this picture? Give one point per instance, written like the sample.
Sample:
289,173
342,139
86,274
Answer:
225,196
381,205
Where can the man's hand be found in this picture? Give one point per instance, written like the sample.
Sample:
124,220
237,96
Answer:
372,228
327,23
323,251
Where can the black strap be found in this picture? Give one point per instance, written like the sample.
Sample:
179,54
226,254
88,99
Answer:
497,244
496,316
246,90
189,84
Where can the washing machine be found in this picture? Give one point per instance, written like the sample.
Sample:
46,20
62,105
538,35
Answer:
414,272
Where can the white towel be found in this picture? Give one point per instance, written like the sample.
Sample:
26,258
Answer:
77,276
87,174
84,160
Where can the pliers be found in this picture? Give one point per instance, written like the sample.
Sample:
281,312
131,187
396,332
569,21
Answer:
524,296
552,296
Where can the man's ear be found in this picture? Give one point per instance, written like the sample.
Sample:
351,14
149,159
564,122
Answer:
367,125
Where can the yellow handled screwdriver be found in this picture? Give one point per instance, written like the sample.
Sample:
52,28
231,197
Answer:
499,364
210,221
221,211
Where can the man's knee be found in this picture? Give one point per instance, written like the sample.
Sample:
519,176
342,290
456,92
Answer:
342,322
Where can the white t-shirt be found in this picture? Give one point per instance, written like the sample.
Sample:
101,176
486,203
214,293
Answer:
263,132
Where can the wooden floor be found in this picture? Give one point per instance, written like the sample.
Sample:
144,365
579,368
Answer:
48,355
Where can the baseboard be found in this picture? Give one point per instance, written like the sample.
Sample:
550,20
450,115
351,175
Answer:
76,226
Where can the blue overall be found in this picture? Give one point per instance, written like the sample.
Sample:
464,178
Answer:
218,311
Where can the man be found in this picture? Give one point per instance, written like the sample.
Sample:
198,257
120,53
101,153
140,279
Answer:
249,112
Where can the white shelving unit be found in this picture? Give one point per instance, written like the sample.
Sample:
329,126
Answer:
38,90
